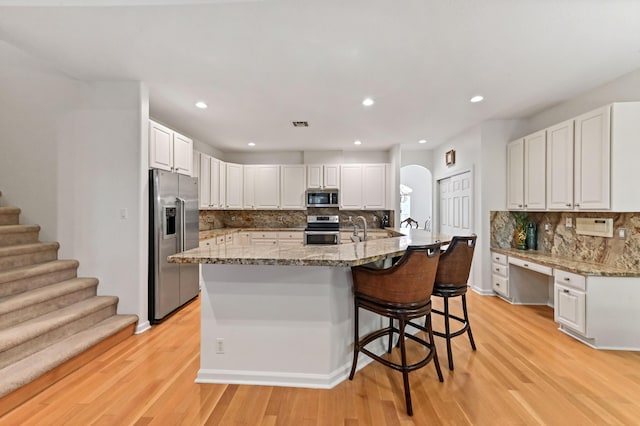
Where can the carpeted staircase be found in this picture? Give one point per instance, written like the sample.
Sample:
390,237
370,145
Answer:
51,321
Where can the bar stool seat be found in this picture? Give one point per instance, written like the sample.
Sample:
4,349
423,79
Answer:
401,292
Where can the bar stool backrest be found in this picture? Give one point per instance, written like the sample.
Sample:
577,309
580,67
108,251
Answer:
455,263
409,280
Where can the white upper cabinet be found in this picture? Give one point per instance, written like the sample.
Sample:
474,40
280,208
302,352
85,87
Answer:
267,187
323,176
535,171
515,175
363,186
526,173
592,160
560,166
233,186
292,187
248,185
204,181
374,186
169,150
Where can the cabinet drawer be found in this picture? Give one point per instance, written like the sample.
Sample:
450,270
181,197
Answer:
264,235
502,270
500,285
546,270
499,258
570,280
294,235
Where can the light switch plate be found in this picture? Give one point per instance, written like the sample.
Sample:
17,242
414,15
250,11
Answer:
568,222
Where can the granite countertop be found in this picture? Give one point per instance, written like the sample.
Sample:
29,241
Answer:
569,265
341,255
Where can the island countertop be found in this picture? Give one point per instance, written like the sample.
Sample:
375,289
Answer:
341,255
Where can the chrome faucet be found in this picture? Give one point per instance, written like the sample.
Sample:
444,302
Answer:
365,226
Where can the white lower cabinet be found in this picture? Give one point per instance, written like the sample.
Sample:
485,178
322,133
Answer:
500,274
570,301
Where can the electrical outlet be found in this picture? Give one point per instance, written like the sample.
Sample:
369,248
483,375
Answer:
547,227
219,345
568,222
622,233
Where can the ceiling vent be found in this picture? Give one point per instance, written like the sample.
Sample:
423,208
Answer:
300,123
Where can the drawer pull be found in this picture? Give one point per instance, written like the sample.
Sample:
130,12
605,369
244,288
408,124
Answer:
526,265
566,291
567,279
498,269
497,284
497,258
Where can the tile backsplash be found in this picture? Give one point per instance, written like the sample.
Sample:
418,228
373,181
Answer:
215,219
560,240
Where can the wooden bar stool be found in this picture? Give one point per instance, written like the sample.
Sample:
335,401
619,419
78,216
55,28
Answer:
401,292
451,281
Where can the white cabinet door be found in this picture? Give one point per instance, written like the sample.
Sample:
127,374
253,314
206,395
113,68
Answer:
592,159
214,183
351,188
515,175
373,187
248,185
570,308
292,187
204,181
160,147
560,166
267,187
331,176
314,176
535,171
182,154
234,186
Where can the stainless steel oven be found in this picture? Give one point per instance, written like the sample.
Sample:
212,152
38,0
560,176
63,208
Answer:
322,230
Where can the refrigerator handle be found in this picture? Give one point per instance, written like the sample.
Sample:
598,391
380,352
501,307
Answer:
183,225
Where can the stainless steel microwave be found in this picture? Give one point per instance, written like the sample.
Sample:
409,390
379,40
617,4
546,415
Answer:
322,198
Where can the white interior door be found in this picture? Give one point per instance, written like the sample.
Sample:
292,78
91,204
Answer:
456,205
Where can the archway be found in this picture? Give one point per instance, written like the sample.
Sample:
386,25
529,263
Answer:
416,199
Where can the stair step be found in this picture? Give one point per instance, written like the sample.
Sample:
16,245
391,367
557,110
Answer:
34,335
31,304
26,278
35,365
27,254
9,215
11,235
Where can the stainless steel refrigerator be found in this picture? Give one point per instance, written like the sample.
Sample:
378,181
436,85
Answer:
173,227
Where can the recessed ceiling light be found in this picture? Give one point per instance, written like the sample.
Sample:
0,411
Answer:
368,102
251,144
422,141
476,98
357,143
201,105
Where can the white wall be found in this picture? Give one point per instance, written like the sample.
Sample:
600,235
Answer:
72,158
272,157
624,88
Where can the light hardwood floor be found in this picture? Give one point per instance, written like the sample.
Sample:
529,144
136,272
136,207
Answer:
524,372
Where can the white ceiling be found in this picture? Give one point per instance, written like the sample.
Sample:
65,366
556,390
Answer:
262,64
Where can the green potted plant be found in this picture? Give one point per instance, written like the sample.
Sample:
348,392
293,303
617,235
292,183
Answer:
520,232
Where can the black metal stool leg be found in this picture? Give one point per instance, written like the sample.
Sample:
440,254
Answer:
466,320
447,332
428,326
390,336
405,371
356,339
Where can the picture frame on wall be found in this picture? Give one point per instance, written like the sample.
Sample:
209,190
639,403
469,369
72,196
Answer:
450,157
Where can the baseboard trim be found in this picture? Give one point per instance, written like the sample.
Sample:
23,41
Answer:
482,291
142,327
28,391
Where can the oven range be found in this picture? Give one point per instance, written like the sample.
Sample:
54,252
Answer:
322,230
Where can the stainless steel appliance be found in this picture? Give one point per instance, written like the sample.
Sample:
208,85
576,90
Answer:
322,230
173,227
322,198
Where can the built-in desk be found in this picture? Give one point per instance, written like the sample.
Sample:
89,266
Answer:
596,304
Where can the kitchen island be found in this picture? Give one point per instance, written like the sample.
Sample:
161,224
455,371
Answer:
283,315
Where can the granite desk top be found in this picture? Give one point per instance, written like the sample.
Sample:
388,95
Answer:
341,255
569,265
